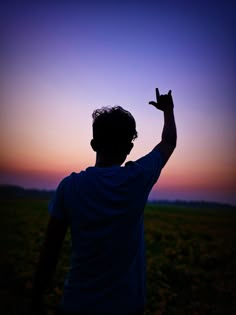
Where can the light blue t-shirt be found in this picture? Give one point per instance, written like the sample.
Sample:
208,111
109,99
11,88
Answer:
104,209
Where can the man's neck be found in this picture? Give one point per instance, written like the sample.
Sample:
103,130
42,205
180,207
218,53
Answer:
108,161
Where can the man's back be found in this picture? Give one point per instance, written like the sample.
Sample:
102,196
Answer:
104,209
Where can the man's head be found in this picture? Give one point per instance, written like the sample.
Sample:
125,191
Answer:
114,129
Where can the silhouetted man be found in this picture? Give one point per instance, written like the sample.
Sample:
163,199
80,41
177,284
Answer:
104,208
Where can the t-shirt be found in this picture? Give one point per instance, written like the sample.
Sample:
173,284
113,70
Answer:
104,208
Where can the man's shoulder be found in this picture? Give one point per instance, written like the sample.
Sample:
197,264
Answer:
153,156
71,178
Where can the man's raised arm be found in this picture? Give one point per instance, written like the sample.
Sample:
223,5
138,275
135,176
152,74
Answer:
169,136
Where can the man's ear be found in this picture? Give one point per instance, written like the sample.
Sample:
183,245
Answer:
93,145
129,147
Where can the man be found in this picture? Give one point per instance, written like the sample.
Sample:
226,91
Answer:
104,208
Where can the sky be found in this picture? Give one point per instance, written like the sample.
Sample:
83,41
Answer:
59,62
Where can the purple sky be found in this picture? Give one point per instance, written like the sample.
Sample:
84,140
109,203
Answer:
60,62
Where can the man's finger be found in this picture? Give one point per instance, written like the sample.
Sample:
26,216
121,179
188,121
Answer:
157,93
152,103
169,93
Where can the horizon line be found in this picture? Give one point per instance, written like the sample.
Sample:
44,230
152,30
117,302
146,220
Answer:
150,199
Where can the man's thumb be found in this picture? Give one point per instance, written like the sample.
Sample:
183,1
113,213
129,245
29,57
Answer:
152,103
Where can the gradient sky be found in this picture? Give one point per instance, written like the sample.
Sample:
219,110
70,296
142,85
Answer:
60,62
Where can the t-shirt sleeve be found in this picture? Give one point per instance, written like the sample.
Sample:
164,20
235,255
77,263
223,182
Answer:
150,165
56,205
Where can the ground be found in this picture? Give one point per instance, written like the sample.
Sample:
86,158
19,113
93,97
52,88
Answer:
191,258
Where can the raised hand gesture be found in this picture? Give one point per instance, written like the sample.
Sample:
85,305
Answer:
164,102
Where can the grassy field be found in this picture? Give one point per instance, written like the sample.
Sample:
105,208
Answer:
191,258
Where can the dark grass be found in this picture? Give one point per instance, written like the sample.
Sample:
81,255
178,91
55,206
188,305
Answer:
191,258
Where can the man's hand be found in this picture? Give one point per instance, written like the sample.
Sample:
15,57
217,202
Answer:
164,102
169,135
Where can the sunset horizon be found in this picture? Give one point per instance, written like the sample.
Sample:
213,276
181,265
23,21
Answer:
167,188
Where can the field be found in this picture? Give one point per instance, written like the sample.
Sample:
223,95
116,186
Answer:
191,258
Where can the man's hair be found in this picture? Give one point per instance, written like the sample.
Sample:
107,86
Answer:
113,129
